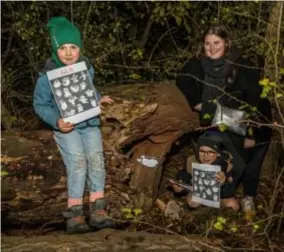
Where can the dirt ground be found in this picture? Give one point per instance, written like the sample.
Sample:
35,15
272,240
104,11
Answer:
210,229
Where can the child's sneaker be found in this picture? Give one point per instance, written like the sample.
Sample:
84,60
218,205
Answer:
98,216
248,207
76,223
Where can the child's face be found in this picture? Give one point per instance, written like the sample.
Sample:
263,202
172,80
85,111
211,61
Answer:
207,155
68,54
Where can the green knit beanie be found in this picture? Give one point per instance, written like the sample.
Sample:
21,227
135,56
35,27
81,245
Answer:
62,31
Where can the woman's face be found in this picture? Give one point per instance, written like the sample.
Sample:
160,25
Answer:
214,46
207,155
68,54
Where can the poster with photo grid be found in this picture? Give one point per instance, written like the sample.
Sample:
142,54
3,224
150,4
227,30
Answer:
74,93
206,189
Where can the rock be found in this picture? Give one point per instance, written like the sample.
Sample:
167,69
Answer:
172,210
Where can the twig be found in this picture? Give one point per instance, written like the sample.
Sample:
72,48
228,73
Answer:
281,219
158,42
71,10
272,201
86,21
274,125
242,249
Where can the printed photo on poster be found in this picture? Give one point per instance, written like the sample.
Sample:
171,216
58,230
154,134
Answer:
74,93
206,189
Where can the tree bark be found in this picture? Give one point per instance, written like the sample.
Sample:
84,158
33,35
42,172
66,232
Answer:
271,37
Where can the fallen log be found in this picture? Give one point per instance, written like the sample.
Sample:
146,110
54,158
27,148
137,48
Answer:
142,124
111,240
164,119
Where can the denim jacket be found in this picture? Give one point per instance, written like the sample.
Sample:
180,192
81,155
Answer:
45,105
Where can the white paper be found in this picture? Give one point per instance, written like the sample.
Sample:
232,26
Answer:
148,161
74,92
206,190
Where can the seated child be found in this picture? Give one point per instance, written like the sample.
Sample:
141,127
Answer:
213,151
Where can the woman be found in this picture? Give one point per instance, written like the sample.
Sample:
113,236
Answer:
219,73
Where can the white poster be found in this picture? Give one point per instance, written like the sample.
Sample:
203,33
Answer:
206,189
74,93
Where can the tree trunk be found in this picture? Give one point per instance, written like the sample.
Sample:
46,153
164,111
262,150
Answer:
271,37
271,70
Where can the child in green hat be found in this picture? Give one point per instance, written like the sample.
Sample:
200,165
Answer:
80,145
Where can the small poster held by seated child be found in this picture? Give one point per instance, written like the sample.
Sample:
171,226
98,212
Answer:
206,189
74,93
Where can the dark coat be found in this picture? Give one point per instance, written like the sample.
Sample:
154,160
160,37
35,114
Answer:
245,86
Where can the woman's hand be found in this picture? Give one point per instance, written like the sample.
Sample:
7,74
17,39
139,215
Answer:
64,127
106,99
249,143
220,177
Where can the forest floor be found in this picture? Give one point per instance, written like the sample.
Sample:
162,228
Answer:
203,229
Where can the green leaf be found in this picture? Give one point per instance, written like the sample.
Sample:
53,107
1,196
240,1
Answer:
264,82
243,106
213,101
207,116
278,95
186,3
253,109
255,227
222,127
259,207
186,26
221,220
137,211
140,52
169,6
4,173
126,210
162,12
234,229
129,216
250,131
273,84
218,226
135,76
178,20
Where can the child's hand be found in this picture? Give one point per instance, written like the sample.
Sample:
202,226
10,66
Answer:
64,126
106,99
220,177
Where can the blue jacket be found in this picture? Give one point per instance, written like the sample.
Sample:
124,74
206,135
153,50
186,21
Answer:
45,105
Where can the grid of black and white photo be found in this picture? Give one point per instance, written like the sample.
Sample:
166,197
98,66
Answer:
206,189
74,92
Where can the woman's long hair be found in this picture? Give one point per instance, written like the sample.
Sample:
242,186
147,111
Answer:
217,30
